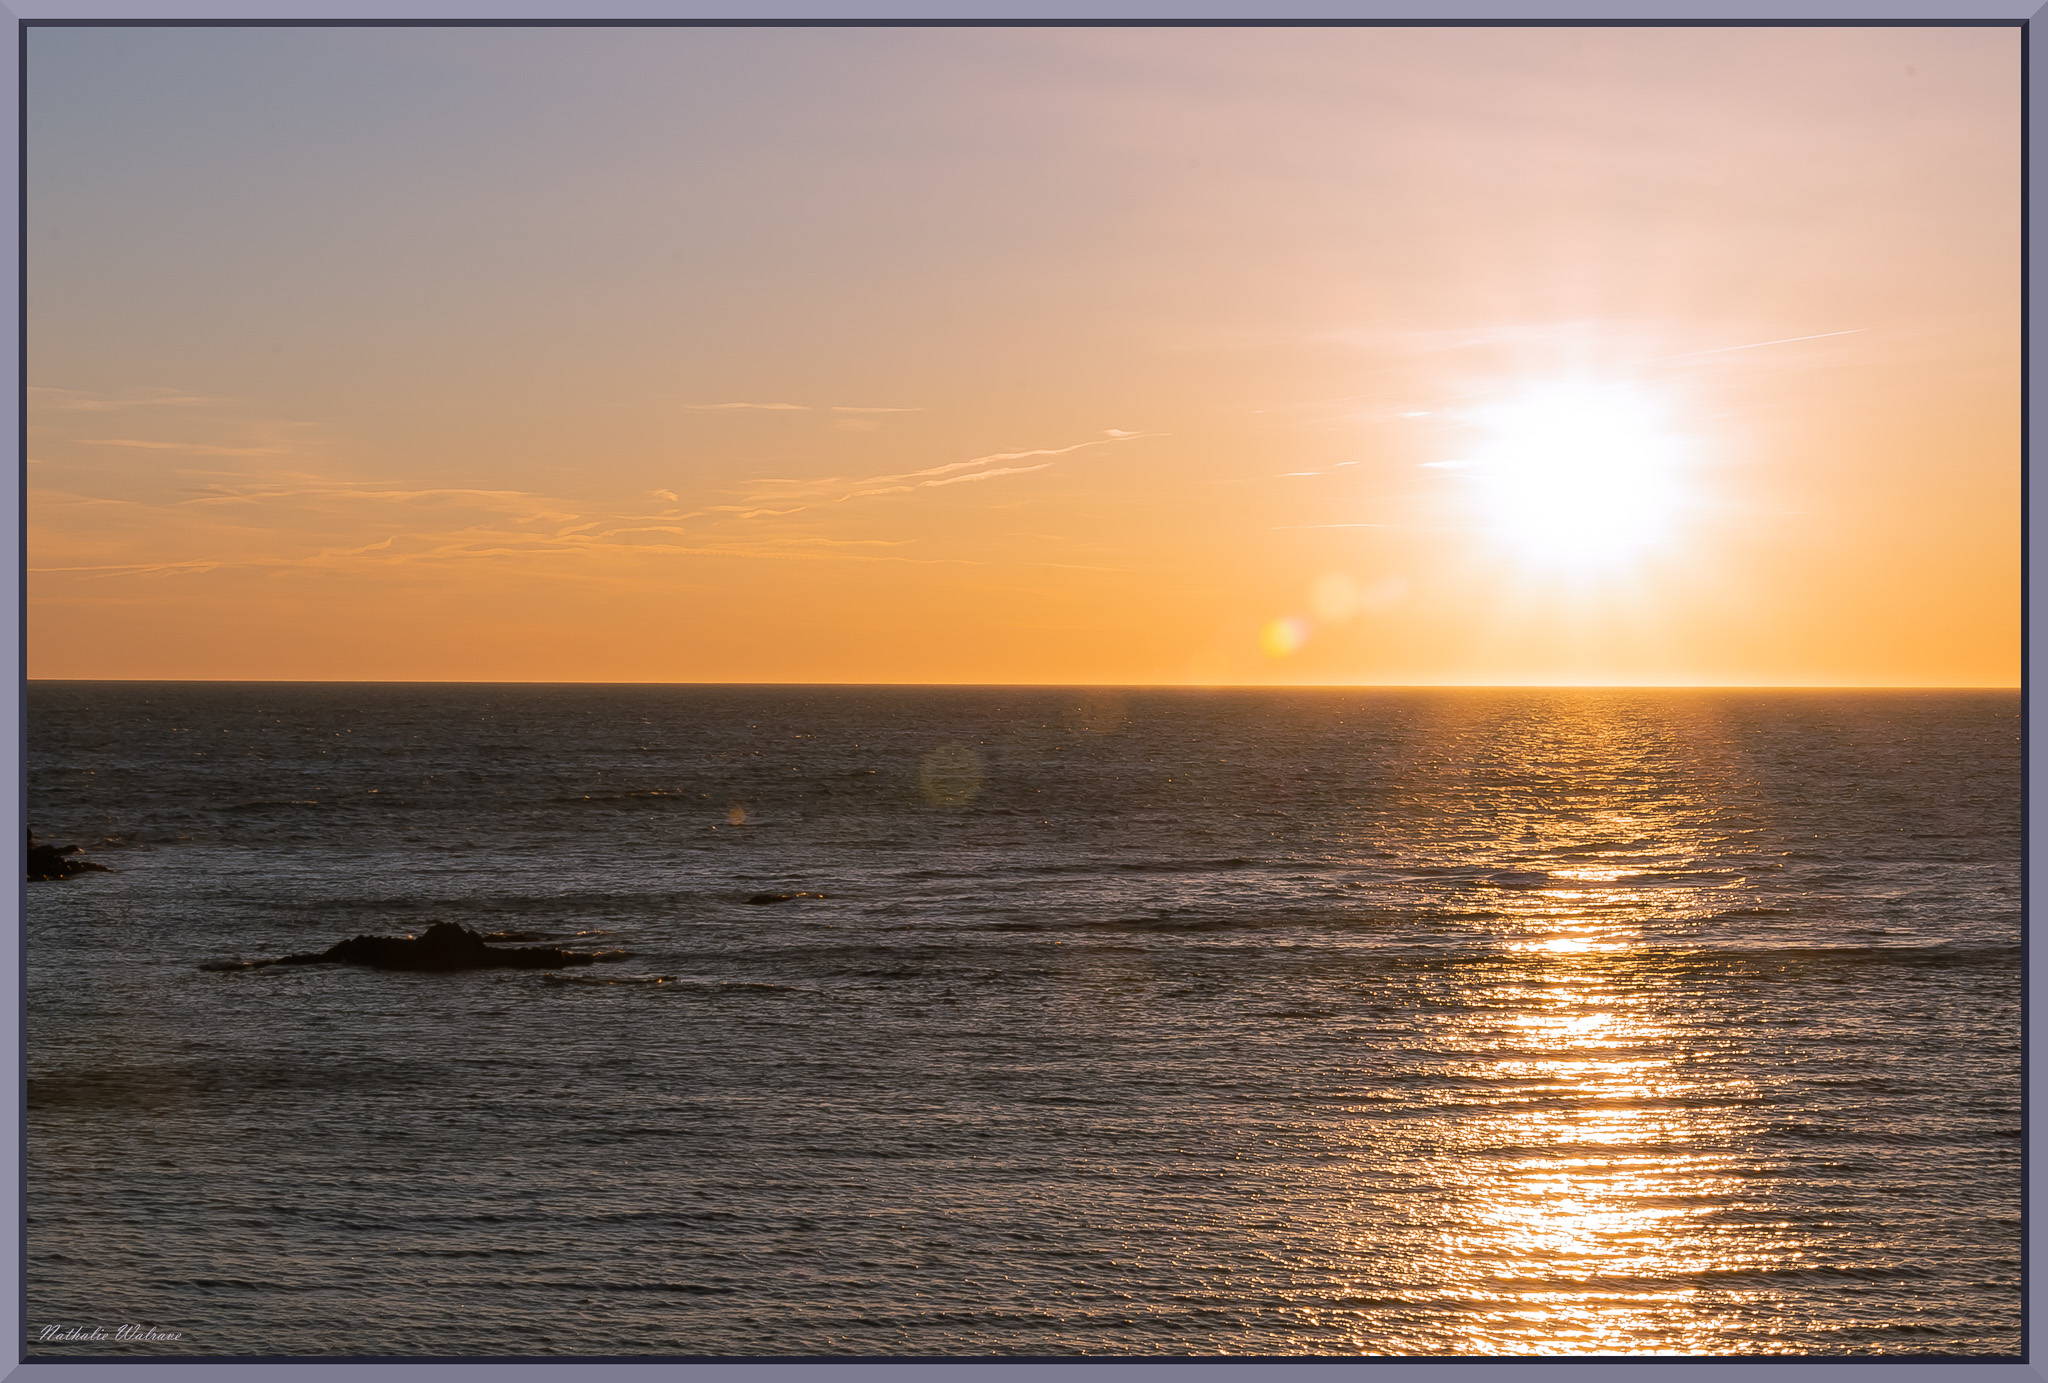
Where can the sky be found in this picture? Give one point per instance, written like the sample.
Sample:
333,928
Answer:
1389,356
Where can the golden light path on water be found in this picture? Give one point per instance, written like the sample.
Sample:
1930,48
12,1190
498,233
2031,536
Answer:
1598,1193
1587,1199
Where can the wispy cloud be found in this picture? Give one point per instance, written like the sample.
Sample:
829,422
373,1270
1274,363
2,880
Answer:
794,408
295,521
1757,345
42,397
74,431
259,497
982,467
196,448
990,475
525,505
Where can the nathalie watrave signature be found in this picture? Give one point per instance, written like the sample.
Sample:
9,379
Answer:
100,1332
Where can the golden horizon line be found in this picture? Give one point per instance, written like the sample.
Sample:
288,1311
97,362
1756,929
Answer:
1057,686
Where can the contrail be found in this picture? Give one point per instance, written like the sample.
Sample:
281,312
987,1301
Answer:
1781,341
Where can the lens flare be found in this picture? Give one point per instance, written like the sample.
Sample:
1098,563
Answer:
950,776
1285,636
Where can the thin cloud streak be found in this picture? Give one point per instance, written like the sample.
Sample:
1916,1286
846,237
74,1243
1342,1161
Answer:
747,407
197,448
820,487
270,507
252,518
987,475
1756,345
41,396
792,408
509,524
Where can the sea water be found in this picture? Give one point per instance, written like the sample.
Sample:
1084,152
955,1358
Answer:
1157,1022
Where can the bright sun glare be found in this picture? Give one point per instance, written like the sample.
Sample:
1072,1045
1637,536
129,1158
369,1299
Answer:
1577,474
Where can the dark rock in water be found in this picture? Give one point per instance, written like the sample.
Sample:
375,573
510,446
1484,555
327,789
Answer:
47,862
781,897
445,946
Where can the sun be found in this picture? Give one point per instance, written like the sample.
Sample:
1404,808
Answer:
1577,474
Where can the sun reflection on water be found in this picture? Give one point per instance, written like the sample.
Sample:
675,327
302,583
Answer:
1597,1191
1592,1202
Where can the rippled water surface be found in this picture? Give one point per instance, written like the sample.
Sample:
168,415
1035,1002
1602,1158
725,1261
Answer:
1160,1022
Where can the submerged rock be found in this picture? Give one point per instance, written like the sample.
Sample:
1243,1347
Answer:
444,946
47,862
781,897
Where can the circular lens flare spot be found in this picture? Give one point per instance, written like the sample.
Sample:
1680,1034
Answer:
1284,636
950,776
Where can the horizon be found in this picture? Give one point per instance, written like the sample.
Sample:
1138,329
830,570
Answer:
1073,686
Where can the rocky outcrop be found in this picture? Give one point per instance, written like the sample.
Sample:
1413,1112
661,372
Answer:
47,862
444,946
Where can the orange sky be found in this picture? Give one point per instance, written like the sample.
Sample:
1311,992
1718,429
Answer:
1432,356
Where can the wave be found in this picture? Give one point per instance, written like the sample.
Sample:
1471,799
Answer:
1172,923
1904,952
143,1086
1187,866
1531,879
1759,1276
581,1285
1053,868
647,795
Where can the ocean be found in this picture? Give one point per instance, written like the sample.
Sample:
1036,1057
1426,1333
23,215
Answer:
1120,1023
